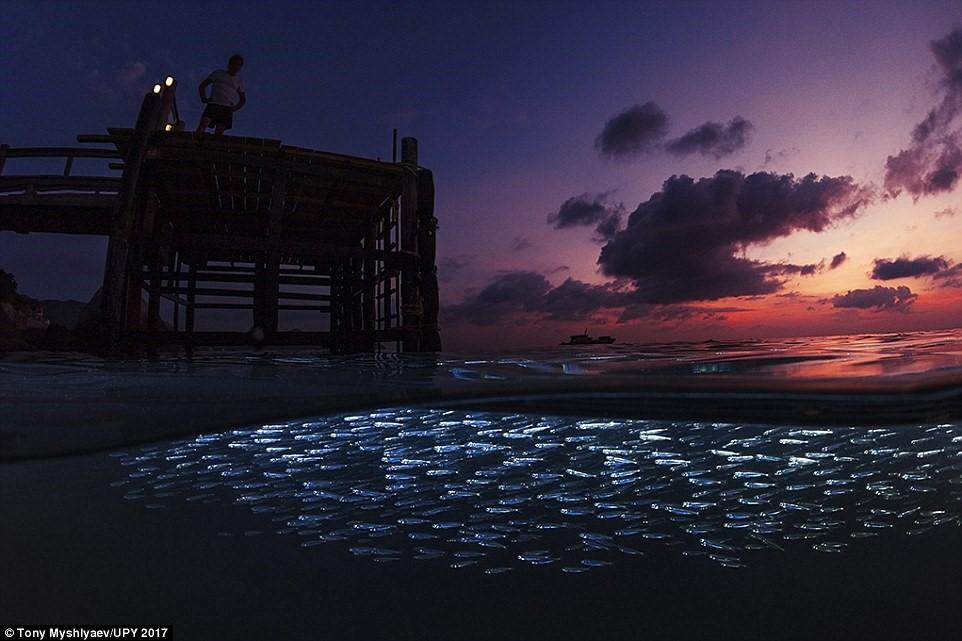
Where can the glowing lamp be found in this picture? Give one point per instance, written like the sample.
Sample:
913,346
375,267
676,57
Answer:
169,81
156,88
168,127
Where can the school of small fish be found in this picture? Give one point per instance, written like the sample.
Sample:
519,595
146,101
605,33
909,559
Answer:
495,492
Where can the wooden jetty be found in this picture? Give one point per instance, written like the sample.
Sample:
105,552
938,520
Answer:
223,222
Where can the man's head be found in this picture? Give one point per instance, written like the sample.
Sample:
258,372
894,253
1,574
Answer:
235,63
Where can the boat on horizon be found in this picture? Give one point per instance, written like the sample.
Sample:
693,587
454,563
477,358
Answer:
585,339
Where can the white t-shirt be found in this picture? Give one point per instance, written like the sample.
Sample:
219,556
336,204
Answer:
226,88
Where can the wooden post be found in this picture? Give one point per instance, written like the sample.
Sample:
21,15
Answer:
272,261
170,283
430,338
335,315
386,305
156,262
358,294
258,301
410,297
369,282
122,274
191,299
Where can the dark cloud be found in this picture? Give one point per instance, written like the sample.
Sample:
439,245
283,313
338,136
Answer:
713,139
948,212
801,270
686,242
520,243
837,260
933,162
880,299
634,131
950,277
586,210
675,313
519,293
455,263
772,156
522,296
449,266
577,300
508,294
905,267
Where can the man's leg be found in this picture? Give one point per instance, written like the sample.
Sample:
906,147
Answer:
204,124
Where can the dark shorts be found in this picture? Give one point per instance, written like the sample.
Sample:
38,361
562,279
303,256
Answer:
219,115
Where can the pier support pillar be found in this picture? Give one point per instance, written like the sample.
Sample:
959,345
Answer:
410,292
429,336
123,272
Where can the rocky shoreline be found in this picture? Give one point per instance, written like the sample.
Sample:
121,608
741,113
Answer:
30,324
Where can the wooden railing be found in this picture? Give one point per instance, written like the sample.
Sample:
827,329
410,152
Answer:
31,184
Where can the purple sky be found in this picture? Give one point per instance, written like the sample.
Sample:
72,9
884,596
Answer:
516,107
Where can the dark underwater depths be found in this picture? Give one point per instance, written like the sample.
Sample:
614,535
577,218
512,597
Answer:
71,553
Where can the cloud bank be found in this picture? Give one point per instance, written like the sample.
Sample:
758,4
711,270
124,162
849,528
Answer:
932,163
517,294
684,245
587,210
879,299
713,139
905,267
686,242
633,132
640,130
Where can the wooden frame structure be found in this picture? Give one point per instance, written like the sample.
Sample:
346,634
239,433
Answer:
223,222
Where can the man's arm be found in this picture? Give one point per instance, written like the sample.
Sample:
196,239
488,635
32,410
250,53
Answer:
242,100
201,89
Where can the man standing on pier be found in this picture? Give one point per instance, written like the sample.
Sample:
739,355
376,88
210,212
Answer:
226,96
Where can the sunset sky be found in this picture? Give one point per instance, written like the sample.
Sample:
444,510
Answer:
635,168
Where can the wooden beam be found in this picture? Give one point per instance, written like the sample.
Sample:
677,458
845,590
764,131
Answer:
242,293
97,138
59,183
65,152
285,278
191,303
386,177
288,246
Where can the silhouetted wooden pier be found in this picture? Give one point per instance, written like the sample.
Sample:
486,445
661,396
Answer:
223,222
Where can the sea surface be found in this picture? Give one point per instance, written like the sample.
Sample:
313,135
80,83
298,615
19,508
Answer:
796,489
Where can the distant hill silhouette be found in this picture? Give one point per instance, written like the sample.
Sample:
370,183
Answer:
28,323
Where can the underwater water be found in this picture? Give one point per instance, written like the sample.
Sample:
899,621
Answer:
807,488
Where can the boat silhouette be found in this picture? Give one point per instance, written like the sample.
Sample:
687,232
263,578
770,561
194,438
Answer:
585,339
